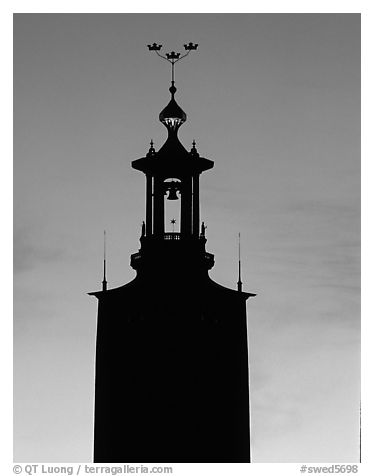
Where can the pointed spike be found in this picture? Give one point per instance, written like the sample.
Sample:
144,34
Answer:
240,284
104,282
360,430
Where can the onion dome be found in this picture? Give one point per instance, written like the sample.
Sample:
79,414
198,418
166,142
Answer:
172,116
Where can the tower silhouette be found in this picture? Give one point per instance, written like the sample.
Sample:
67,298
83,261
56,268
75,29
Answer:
171,353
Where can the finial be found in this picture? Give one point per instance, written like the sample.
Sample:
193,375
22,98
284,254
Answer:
173,222
240,284
104,282
151,152
203,228
172,89
154,47
173,55
173,58
193,150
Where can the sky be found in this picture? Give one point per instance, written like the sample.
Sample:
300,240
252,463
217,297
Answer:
274,100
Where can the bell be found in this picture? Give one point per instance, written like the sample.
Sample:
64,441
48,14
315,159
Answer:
172,194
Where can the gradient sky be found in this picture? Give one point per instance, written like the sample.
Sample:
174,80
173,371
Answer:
274,100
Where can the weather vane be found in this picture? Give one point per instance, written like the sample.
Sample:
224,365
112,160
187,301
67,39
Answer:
173,57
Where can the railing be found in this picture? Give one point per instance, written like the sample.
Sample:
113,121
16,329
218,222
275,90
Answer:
177,236
152,248
172,236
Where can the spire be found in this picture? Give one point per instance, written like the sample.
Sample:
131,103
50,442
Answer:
173,116
104,282
240,284
173,57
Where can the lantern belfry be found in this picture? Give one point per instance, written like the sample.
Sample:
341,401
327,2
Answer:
171,349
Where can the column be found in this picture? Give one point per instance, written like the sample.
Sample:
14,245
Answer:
196,206
186,206
148,206
158,207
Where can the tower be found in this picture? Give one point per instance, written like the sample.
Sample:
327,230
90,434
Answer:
171,353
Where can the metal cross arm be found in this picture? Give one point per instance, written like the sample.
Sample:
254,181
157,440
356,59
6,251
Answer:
173,57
